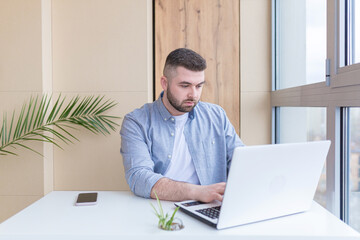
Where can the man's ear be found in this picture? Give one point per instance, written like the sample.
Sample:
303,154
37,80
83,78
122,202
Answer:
164,82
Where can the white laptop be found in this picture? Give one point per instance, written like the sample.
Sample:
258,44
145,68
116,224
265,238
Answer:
265,182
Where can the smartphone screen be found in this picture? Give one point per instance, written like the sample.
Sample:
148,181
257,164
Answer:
85,199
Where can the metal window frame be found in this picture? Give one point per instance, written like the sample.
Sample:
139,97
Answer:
344,164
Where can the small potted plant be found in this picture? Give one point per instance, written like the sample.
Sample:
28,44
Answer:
165,223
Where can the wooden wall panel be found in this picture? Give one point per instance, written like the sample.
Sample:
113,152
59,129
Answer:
211,28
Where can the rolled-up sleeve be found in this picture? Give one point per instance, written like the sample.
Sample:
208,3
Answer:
139,167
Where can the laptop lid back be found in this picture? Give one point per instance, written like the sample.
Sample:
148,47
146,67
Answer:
270,181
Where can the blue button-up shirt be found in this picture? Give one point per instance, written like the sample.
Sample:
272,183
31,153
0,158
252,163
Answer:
147,143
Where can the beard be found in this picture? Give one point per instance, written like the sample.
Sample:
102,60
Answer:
178,105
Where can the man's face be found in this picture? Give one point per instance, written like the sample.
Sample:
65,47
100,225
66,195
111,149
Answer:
183,91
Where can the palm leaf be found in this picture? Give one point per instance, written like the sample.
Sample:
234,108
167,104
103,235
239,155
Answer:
39,121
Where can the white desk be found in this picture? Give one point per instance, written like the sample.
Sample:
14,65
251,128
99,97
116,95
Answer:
121,215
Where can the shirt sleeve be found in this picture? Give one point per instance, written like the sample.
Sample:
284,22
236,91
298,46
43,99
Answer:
231,138
139,167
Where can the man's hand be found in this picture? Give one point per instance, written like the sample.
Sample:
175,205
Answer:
209,193
170,190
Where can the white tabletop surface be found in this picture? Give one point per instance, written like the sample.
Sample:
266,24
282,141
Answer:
121,215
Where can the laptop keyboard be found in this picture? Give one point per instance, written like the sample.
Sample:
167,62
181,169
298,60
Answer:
212,212
189,204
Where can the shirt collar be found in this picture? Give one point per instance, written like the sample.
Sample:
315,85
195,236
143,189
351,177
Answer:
165,115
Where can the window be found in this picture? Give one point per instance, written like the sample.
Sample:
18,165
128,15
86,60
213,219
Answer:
310,126
354,168
306,34
301,35
350,32
345,52
356,24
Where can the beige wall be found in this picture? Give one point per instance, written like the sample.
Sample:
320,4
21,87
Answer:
21,178
255,71
101,47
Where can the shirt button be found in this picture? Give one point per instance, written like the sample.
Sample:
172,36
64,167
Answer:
172,134
169,156
172,119
213,142
165,119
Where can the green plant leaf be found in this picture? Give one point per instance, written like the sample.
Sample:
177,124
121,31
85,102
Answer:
163,222
24,146
5,152
155,211
168,223
38,120
159,204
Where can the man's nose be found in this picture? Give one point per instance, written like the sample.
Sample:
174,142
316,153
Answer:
192,92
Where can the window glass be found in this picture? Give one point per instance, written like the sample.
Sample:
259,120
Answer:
304,124
300,42
354,169
356,27
349,32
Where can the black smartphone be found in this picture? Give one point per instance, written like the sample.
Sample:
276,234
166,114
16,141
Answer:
85,199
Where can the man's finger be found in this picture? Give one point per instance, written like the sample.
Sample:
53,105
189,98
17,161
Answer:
221,188
219,197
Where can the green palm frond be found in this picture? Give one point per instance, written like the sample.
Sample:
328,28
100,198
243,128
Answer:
38,121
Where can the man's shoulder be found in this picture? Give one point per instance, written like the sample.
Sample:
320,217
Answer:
210,107
142,112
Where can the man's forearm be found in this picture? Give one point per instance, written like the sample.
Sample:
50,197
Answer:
167,189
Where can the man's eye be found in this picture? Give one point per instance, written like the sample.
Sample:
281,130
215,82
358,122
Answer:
199,86
184,86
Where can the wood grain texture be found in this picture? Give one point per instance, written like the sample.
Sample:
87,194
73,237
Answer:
211,28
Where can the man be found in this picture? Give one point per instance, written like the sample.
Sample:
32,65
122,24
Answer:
179,147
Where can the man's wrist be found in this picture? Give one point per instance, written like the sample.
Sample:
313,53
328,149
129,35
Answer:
192,191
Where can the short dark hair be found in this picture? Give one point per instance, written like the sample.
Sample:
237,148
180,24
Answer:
186,58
